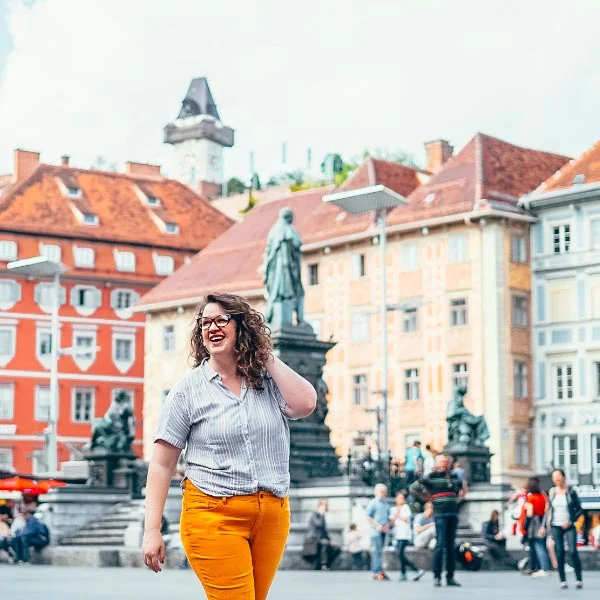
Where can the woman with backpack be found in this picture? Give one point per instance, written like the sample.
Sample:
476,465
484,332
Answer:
532,527
564,508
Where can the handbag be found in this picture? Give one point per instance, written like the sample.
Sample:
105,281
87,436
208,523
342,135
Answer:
310,547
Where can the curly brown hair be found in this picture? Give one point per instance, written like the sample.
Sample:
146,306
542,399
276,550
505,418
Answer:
253,344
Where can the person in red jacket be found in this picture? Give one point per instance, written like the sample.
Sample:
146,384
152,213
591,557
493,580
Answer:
532,528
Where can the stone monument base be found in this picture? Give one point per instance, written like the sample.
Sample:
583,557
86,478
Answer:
475,460
116,471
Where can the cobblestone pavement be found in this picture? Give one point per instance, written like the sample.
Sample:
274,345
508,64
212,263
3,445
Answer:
81,583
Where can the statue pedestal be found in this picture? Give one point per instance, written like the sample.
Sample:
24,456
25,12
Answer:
311,452
474,459
117,471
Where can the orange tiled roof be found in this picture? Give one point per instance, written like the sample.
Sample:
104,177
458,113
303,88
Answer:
485,169
38,204
586,168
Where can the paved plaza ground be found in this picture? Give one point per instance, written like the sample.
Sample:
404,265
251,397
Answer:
82,583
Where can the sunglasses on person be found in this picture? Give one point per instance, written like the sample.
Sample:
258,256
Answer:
220,321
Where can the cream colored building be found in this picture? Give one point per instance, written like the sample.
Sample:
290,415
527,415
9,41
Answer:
458,283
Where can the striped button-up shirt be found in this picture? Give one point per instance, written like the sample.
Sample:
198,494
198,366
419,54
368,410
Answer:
235,446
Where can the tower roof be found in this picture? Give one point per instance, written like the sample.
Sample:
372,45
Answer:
198,100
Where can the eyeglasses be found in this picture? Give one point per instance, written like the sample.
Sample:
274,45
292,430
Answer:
220,321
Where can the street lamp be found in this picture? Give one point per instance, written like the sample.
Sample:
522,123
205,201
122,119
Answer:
42,267
376,199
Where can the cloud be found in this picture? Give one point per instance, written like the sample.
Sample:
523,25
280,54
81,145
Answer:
103,77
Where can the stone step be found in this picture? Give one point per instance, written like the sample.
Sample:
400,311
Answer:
106,525
92,541
97,532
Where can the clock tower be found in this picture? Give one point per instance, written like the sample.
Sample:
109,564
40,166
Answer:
199,136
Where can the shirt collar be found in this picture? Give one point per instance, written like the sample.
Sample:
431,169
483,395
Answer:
208,371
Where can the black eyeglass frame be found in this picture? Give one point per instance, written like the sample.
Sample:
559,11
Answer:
211,320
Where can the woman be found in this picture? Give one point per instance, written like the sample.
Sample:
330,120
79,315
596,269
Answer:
496,542
533,512
562,511
401,516
232,413
325,550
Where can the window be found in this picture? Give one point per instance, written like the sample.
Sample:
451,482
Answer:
595,233
51,252
169,338
360,390
359,326
520,379
409,320
85,297
7,401
313,274
164,265
125,261
411,384
457,248
153,201
561,238
359,268
90,219
42,403
10,293
84,257
84,345
597,372
172,228
521,448
123,300
596,458
6,459
7,341
518,248
519,311
458,312
44,343
460,375
123,350
410,256
82,405
564,381
8,250
565,456
44,295
73,191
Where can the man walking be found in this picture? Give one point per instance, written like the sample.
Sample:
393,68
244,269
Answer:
413,465
378,515
443,488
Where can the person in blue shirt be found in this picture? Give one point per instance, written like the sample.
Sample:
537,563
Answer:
33,534
413,465
378,513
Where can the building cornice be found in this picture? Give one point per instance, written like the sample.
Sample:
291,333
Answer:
583,192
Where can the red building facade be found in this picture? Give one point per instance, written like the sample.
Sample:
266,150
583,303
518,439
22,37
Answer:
118,234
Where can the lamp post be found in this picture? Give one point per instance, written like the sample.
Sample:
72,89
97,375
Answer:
376,199
42,267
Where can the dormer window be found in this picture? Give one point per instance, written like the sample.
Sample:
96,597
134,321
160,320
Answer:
171,228
90,219
153,201
74,192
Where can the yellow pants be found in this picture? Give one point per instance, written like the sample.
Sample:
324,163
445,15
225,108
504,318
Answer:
234,544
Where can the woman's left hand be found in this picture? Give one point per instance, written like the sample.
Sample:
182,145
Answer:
566,525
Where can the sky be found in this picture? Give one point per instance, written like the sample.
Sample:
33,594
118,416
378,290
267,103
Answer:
102,77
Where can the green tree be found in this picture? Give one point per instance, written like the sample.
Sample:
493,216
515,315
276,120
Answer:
397,156
235,186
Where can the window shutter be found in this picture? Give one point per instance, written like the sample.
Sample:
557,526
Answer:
74,293
96,298
37,294
16,292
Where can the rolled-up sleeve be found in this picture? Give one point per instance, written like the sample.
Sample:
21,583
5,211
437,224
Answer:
174,422
273,389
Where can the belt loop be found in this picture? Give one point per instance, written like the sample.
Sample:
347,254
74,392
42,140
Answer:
282,502
224,499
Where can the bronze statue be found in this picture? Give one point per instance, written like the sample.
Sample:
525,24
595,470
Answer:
282,273
115,431
464,428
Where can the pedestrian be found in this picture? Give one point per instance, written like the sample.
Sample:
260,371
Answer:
533,530
444,488
413,462
563,510
496,542
325,550
231,411
424,528
355,547
401,517
5,537
378,515
428,460
459,470
33,535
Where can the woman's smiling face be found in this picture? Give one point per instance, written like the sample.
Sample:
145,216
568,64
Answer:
219,330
